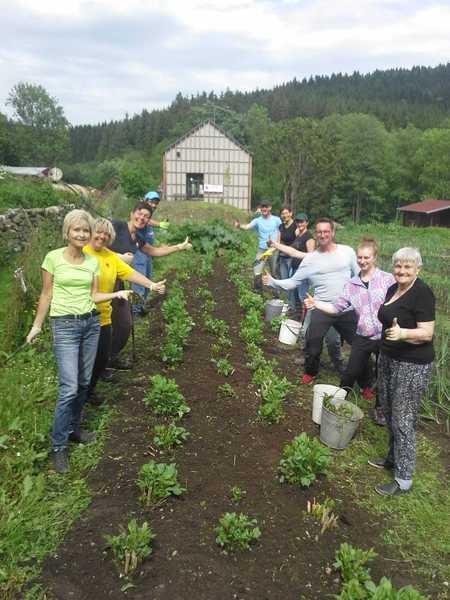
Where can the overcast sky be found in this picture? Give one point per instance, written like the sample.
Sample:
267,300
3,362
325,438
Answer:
103,58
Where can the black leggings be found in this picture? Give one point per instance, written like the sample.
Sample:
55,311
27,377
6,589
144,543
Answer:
102,357
344,323
358,367
121,325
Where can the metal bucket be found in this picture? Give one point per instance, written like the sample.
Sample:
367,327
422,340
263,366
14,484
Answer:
274,308
319,391
336,431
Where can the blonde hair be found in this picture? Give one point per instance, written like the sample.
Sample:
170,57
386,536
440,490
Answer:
410,255
104,225
73,218
369,243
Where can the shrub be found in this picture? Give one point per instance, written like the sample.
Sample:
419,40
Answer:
303,460
236,532
158,481
131,545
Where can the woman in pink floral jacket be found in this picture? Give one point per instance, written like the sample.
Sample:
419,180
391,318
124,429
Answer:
364,293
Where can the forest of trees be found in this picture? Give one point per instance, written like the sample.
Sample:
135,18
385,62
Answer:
354,145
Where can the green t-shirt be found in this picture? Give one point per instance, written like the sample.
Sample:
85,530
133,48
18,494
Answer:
71,283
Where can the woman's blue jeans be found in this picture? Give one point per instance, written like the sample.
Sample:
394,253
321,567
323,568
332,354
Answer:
75,345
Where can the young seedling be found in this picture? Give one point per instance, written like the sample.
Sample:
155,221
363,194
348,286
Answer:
131,546
226,391
236,532
323,513
237,494
158,481
168,436
303,460
223,366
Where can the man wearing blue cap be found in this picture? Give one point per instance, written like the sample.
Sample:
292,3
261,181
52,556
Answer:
143,262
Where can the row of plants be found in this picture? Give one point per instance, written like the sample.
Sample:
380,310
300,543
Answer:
221,332
156,481
178,325
271,385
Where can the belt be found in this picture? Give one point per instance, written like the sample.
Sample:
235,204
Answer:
87,315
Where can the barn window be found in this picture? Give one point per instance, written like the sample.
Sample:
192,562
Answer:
178,153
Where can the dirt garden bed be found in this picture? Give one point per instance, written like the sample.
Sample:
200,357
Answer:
228,446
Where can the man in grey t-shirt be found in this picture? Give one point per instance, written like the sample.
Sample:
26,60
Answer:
328,269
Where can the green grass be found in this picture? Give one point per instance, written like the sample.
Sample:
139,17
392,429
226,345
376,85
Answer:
433,243
36,506
415,526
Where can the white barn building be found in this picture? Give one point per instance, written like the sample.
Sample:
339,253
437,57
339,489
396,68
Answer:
207,164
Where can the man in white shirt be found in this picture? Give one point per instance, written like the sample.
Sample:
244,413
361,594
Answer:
328,269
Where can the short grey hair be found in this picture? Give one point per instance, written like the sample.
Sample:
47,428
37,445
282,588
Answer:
105,226
75,217
410,255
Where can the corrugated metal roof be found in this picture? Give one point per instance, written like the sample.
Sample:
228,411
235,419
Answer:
426,206
199,126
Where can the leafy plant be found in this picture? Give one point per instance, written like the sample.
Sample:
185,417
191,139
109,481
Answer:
357,582
252,327
273,390
341,409
131,545
276,322
226,391
236,532
351,562
216,326
236,493
303,460
207,238
158,481
223,366
168,436
165,397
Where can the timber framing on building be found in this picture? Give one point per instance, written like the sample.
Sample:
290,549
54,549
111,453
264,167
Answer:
207,164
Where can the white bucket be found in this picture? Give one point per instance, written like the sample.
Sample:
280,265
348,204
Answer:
289,332
320,390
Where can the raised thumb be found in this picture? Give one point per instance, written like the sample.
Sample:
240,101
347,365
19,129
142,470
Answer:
395,322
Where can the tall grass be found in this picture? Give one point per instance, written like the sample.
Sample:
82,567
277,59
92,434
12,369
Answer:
19,307
436,402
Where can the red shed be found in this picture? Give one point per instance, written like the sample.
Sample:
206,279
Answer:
427,213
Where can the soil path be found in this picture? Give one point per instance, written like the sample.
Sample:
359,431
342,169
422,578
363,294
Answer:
228,446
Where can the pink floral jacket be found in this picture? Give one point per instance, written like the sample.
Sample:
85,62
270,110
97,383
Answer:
366,301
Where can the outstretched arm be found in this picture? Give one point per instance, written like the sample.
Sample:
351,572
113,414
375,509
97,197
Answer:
136,277
165,250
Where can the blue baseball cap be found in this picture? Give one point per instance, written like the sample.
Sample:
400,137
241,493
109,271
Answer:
152,196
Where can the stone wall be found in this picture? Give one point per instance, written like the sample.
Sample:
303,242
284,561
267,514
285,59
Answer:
15,224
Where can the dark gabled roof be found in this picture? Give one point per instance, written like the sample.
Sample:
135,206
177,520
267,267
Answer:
426,206
199,126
